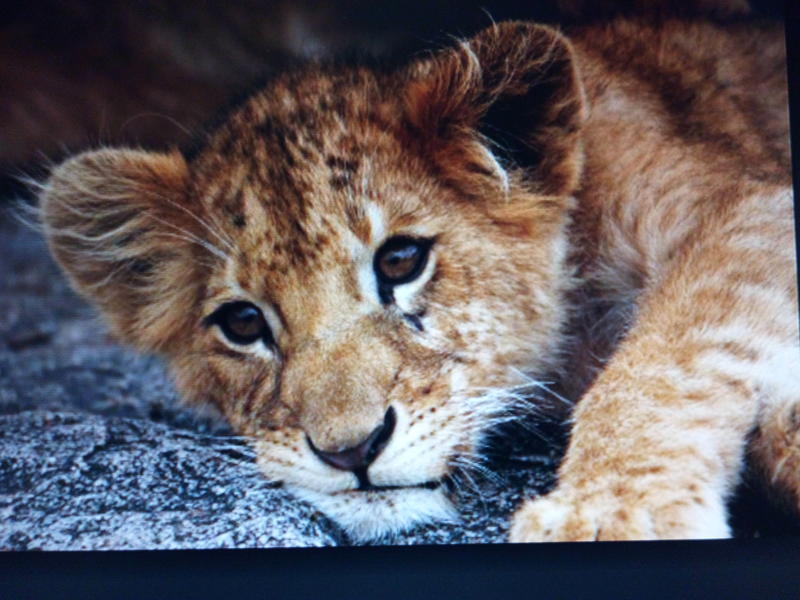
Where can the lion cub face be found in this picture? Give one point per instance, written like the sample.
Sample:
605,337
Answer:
345,268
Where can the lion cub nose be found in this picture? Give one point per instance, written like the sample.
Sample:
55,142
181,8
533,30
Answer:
360,456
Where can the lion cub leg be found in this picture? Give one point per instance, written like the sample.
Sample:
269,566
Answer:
653,455
659,440
775,450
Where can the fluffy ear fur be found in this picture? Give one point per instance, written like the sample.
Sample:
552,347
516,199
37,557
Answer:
118,223
512,91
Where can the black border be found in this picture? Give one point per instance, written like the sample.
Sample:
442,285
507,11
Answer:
766,568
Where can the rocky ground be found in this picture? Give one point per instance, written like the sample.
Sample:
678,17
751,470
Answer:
97,453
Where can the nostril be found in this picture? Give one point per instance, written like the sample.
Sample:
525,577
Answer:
362,455
384,432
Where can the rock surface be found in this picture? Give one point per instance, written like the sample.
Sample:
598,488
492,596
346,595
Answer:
97,453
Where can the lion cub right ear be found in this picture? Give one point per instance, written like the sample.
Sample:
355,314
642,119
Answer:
121,225
512,90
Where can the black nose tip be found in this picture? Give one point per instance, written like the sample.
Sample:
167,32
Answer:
360,456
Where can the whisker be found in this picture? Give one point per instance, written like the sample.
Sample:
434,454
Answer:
167,118
98,213
226,241
189,238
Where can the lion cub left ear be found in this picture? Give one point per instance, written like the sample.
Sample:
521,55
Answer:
512,91
121,225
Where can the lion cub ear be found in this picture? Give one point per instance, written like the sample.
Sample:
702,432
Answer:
118,223
512,92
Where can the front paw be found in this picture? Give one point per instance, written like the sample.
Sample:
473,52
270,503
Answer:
568,515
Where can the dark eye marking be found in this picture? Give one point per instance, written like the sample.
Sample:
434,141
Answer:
241,322
415,321
399,260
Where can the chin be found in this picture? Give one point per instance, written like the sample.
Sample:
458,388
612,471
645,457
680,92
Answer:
380,514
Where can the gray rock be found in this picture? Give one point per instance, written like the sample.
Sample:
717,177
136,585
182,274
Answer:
84,482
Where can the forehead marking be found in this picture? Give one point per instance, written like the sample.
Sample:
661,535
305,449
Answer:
358,222
363,248
377,224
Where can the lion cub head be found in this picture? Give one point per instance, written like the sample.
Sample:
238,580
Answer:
354,265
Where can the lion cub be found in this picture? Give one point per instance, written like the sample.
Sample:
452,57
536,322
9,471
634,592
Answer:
360,267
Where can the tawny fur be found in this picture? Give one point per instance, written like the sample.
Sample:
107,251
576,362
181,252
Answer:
648,165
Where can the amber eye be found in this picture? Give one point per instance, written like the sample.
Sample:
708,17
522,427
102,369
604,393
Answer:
400,260
241,322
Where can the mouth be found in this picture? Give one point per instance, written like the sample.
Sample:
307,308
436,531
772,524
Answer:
369,487
365,485
372,512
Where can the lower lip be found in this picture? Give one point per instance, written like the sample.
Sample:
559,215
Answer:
430,485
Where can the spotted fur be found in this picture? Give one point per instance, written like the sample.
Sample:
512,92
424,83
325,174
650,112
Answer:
627,165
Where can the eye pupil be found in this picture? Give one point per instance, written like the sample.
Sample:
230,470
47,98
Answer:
398,263
241,322
245,321
400,260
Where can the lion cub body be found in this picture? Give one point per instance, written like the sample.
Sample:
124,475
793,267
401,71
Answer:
623,165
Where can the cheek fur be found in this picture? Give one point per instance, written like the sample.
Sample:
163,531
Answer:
239,385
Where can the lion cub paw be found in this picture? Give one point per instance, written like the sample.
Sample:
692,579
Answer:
562,516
